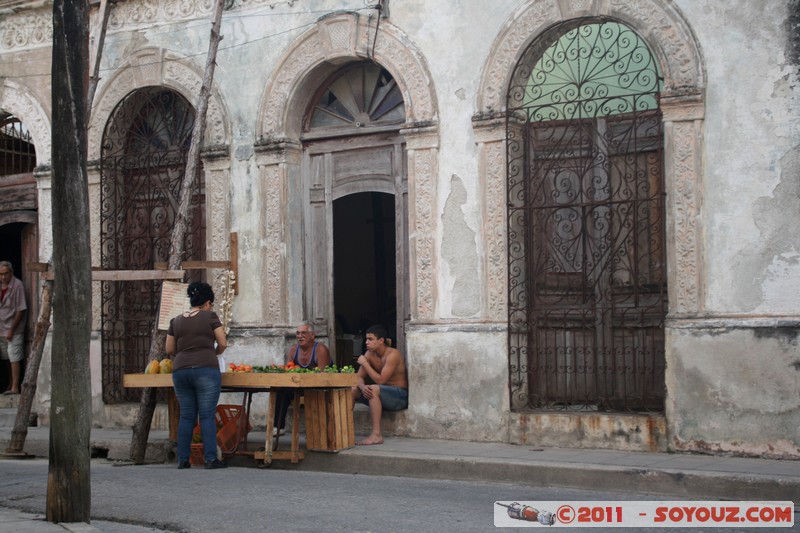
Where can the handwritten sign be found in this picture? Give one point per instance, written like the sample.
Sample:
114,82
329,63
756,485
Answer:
174,301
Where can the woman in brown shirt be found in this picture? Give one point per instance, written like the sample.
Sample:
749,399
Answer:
195,338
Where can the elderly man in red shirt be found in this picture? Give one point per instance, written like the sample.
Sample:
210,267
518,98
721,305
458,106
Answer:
12,314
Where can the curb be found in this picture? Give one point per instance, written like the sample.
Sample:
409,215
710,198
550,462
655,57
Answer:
672,483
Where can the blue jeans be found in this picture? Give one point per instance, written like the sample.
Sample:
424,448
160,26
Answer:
197,390
392,398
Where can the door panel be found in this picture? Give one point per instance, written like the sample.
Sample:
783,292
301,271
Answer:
340,168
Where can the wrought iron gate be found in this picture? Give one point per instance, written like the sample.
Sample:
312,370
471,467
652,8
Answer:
145,145
587,275
17,152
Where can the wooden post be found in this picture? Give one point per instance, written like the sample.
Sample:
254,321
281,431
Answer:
20,432
96,54
68,480
235,261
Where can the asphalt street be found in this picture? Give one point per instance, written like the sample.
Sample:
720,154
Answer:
152,498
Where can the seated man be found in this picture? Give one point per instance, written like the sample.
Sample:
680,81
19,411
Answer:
382,381
306,353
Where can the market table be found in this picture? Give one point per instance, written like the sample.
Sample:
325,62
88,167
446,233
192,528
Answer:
327,399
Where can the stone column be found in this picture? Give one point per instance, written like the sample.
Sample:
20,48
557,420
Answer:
216,177
278,168
683,131
44,187
490,138
422,146
94,175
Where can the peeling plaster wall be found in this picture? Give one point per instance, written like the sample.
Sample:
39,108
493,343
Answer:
732,369
752,135
457,383
460,253
633,432
456,37
735,389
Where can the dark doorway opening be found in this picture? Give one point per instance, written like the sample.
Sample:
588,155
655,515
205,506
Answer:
364,269
11,251
11,237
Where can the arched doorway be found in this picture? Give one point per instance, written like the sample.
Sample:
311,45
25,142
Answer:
18,213
356,256
145,145
586,221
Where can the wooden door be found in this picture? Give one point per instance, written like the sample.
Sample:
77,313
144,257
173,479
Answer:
341,168
30,254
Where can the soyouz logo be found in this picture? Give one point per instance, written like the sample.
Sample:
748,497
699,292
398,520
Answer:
643,514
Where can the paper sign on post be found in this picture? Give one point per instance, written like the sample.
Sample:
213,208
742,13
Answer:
174,301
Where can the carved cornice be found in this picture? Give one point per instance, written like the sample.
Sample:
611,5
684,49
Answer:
29,24
489,129
420,138
677,108
26,28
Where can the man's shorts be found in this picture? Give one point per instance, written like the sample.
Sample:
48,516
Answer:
12,351
392,398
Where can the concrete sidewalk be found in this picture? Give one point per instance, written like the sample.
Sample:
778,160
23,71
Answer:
16,521
22,522
675,476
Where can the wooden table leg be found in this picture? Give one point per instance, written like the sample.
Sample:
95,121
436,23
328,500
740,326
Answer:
296,427
173,414
270,417
244,421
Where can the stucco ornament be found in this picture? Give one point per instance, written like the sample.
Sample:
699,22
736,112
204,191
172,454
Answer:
29,30
17,100
155,67
344,36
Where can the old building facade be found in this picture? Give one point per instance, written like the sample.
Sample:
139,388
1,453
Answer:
574,216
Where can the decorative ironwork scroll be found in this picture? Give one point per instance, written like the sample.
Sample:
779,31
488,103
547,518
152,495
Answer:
144,151
586,226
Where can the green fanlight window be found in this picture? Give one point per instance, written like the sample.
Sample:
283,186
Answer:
593,70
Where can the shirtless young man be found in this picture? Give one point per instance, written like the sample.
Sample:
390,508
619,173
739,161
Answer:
382,381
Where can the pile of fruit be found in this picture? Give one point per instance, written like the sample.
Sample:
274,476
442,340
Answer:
159,367
233,367
291,367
